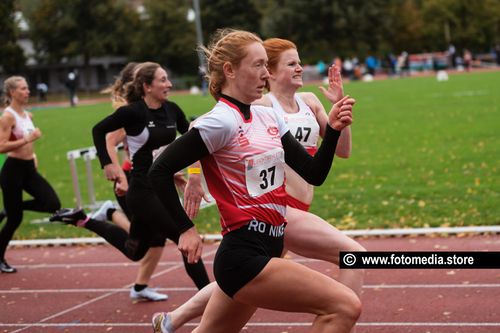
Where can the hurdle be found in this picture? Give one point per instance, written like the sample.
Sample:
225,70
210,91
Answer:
87,154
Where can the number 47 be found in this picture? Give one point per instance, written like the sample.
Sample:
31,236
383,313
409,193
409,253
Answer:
299,136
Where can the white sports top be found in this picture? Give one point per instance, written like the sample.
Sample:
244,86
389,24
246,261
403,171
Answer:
303,124
23,125
245,169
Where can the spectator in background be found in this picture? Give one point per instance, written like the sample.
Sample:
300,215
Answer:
71,84
497,53
337,61
390,63
321,68
371,65
467,58
42,90
348,68
202,71
403,64
451,56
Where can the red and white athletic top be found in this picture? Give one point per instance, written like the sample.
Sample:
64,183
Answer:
303,124
245,169
23,126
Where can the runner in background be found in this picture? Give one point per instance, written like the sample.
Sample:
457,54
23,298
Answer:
149,122
19,172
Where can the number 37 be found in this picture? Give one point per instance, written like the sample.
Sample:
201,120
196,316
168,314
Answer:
267,176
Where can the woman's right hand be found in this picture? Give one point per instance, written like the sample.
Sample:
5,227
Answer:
112,172
121,186
340,115
33,135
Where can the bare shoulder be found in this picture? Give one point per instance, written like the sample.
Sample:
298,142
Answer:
7,118
7,122
264,101
311,100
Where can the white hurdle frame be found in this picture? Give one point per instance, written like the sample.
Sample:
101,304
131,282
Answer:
87,154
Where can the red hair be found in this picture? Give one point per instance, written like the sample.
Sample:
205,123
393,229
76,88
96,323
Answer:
274,48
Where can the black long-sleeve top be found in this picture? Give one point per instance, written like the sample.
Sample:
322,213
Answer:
147,129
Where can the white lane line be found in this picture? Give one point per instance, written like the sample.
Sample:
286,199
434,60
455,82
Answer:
264,324
218,237
418,286
76,307
90,290
188,289
93,265
124,264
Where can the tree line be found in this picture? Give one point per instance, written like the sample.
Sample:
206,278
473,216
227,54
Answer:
322,29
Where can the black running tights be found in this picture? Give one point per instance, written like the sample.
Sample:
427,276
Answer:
18,175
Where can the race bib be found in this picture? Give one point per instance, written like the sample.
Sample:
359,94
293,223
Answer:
304,129
265,172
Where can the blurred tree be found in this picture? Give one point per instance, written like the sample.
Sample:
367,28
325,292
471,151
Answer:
12,59
241,14
466,24
64,29
326,28
322,29
308,23
166,36
405,27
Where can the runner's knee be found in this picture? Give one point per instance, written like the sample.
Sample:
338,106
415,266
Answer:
350,308
135,249
346,310
53,205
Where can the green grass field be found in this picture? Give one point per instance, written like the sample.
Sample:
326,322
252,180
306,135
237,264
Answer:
425,153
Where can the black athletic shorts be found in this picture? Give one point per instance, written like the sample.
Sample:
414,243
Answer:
243,254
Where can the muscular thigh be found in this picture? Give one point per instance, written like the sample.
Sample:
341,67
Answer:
11,182
224,315
275,288
309,235
40,189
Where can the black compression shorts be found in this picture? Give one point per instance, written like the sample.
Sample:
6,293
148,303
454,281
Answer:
243,254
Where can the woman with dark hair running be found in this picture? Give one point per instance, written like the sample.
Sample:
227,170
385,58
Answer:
149,123
243,150
19,172
107,211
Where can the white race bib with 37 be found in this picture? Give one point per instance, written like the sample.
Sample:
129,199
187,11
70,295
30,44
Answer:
265,172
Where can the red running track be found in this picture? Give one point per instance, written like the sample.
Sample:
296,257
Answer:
85,289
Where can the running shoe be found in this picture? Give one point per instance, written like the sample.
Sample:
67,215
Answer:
69,215
102,213
147,294
6,268
162,323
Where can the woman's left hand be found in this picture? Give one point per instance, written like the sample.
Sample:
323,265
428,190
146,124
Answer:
335,90
180,181
193,195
